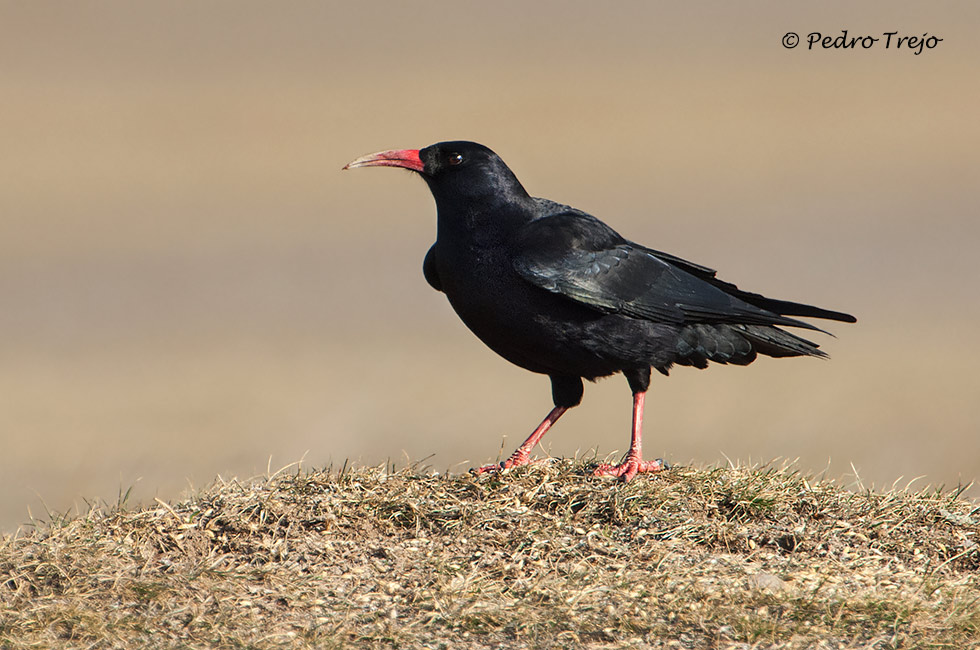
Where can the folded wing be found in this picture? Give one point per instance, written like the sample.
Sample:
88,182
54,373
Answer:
576,255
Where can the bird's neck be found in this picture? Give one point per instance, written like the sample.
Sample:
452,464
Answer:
484,223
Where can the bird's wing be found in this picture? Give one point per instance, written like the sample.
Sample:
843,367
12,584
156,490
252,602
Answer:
578,256
782,307
710,276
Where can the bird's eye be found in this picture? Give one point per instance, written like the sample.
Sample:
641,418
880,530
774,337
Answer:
455,158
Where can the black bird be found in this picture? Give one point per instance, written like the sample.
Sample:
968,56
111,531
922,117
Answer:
558,292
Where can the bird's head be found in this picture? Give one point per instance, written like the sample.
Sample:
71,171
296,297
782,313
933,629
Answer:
456,171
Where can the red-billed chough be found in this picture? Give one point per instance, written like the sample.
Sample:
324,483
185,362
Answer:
558,292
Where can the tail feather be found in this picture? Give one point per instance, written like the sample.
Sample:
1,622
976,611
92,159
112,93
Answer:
775,342
739,344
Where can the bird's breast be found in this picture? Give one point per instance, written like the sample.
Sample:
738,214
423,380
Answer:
529,326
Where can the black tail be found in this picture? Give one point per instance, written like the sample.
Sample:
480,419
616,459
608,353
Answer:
774,342
739,344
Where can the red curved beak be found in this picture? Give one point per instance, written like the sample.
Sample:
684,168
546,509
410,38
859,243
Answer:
405,158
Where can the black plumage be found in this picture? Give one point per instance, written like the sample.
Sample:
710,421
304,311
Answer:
558,292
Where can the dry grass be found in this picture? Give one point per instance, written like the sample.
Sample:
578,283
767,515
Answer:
545,556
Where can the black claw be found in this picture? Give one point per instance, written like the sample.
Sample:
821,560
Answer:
663,463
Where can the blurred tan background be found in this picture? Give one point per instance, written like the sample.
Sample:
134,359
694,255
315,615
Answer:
190,286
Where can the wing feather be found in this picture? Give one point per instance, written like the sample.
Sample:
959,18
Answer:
576,255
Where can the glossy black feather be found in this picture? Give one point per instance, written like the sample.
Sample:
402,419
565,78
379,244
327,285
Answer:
784,307
555,290
576,255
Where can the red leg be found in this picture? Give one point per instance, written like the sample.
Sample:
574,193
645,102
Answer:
633,464
523,454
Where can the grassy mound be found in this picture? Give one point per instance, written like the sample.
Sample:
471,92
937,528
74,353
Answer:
539,557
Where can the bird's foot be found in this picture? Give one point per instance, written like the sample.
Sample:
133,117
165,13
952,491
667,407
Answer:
630,467
516,460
